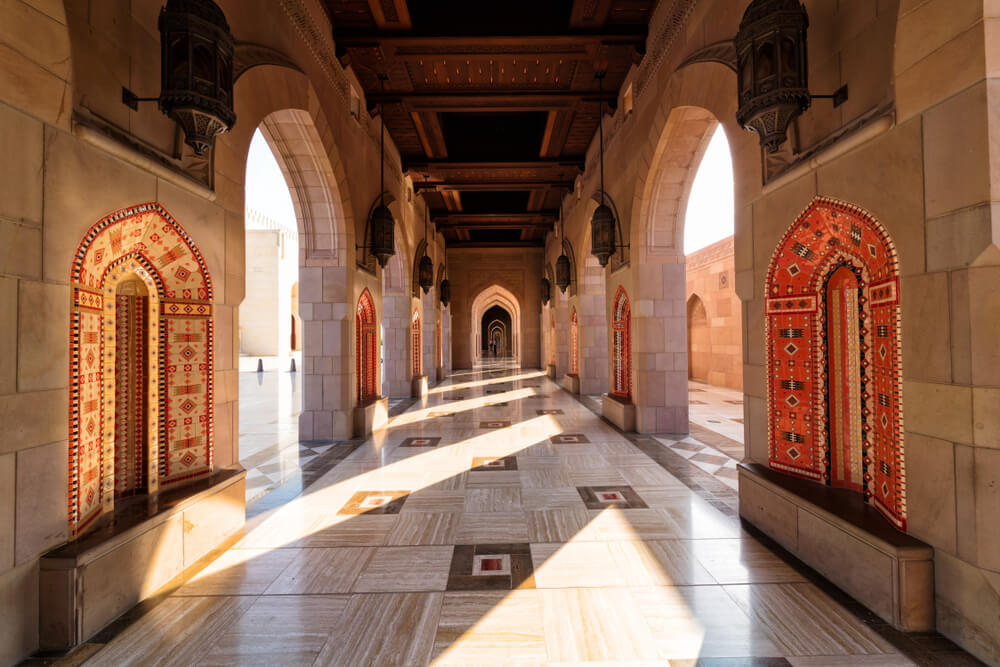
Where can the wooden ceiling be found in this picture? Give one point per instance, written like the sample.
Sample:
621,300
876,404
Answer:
491,103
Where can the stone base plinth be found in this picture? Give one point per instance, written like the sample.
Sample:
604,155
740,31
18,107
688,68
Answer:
370,415
552,371
442,374
419,386
618,411
86,584
847,541
571,383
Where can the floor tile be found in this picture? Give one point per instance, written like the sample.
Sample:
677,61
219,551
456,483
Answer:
406,624
492,527
486,627
398,569
415,528
321,571
493,499
240,572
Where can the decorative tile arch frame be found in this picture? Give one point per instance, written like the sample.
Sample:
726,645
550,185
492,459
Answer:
415,349
366,341
142,241
495,295
803,344
621,345
574,343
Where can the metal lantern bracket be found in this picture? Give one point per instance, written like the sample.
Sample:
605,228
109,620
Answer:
839,96
131,100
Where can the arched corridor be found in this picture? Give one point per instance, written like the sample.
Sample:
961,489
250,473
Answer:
424,332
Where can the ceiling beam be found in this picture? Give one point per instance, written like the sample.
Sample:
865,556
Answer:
543,219
461,46
492,185
398,18
495,244
510,100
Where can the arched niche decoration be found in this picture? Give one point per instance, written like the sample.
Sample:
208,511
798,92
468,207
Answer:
621,345
367,347
699,342
574,343
141,351
416,291
495,295
620,258
834,355
416,353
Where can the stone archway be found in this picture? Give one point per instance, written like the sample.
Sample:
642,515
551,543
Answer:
699,341
495,295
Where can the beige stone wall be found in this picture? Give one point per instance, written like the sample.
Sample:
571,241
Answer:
928,174
472,270
715,353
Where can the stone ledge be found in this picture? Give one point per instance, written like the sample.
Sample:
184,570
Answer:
419,386
847,541
571,383
370,415
552,371
86,584
442,374
618,411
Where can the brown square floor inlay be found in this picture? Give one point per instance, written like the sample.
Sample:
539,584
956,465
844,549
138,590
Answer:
494,424
601,497
486,463
375,502
491,567
568,438
549,412
454,397
497,405
434,415
421,441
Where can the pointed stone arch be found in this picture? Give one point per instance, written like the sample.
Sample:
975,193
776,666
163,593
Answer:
496,295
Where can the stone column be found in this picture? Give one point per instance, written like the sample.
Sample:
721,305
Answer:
561,302
593,330
659,348
429,325
326,353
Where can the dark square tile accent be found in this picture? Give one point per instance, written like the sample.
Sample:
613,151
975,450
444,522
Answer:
437,414
592,497
356,505
494,423
461,577
708,458
499,389
497,405
568,439
549,412
421,441
480,463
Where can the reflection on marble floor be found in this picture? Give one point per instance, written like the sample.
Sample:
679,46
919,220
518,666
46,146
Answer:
500,545
270,403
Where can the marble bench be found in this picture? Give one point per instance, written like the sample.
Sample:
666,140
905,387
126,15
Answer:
132,553
847,541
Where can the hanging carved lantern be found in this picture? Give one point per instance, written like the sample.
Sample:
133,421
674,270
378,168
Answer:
197,70
772,72
562,272
602,234
445,289
546,291
383,240
425,277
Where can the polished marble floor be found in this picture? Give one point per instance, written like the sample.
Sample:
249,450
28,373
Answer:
450,539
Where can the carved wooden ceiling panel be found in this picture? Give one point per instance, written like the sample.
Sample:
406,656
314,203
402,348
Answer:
491,96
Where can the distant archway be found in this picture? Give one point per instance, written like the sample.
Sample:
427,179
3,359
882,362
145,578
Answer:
495,295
